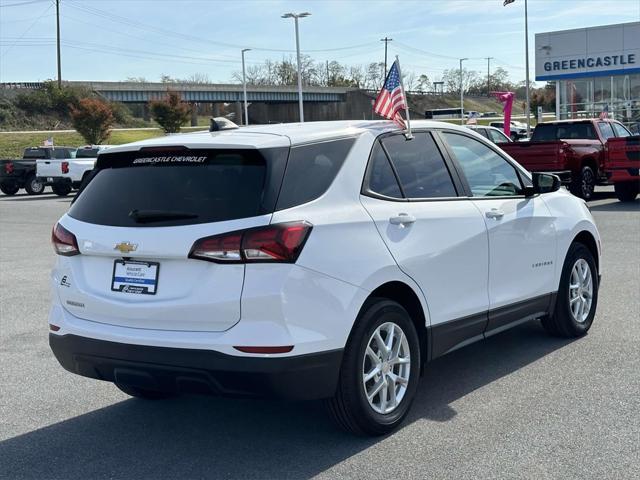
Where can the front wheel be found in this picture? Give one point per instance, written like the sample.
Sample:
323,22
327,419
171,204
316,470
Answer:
627,191
585,184
577,296
380,371
33,186
9,188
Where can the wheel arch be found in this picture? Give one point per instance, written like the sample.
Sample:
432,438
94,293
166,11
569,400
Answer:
587,239
407,297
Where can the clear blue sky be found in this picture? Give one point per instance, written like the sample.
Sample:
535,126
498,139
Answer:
115,39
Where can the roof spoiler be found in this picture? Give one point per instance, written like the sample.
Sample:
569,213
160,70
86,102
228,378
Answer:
220,123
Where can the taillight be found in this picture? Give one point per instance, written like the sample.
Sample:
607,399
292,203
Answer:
64,242
65,167
281,242
8,168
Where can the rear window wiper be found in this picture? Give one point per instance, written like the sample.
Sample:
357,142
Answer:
148,216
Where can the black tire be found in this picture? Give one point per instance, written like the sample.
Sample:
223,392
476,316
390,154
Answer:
584,185
33,186
561,322
627,191
143,392
9,188
61,189
350,408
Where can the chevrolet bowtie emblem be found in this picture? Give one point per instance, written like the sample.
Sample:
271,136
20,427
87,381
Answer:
126,247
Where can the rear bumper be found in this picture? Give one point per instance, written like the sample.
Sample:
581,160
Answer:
181,370
49,181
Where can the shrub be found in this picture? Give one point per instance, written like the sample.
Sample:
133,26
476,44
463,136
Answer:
92,118
170,113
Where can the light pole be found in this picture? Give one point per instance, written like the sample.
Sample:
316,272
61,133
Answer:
244,89
295,17
461,93
526,51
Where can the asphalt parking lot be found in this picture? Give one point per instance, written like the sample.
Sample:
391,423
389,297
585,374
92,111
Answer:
519,405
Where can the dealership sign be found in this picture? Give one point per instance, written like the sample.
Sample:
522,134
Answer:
588,52
589,62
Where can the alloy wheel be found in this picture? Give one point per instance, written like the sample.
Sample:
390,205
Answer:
386,367
580,290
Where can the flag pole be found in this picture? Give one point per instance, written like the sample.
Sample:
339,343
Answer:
409,135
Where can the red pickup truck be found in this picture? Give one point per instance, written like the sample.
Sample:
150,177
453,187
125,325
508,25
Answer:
575,150
622,166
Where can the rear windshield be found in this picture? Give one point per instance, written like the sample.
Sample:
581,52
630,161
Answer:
180,187
87,153
563,131
35,153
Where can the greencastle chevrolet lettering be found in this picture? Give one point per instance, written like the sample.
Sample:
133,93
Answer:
590,62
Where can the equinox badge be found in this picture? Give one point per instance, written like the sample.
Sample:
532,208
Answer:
126,247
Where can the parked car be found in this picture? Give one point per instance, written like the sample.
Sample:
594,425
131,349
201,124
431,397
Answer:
518,130
492,133
622,166
21,173
575,150
63,175
325,260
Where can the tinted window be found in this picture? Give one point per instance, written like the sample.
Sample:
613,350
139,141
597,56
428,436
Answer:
620,130
207,185
563,131
310,171
381,179
87,153
487,173
605,130
420,166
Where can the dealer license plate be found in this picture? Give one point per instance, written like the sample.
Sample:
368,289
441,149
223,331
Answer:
135,277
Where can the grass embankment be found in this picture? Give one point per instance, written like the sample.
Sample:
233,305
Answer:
13,144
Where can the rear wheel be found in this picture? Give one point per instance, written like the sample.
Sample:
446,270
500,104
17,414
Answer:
577,296
143,392
9,188
380,371
627,191
585,184
33,186
61,189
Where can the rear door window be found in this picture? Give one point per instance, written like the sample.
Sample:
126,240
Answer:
419,166
310,171
563,131
497,137
620,130
380,177
148,189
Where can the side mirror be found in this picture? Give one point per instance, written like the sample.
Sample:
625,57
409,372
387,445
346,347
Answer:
546,182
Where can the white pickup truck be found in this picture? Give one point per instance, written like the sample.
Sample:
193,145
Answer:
63,175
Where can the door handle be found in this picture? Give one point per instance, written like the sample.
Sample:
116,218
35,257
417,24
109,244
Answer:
402,219
495,213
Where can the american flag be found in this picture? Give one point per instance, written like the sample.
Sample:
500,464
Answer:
391,100
605,112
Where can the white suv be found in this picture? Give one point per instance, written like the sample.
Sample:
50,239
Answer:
319,260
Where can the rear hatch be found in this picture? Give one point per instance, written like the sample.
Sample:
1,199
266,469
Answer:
136,221
49,168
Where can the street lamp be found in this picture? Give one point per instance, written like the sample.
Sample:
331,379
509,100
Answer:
295,17
526,51
461,93
244,89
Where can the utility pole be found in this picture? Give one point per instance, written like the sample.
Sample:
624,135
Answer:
489,75
526,48
244,88
386,41
328,79
461,93
58,42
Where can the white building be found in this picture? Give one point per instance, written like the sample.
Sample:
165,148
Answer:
593,68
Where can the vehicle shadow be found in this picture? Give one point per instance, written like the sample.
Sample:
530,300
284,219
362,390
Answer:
195,437
28,198
617,206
